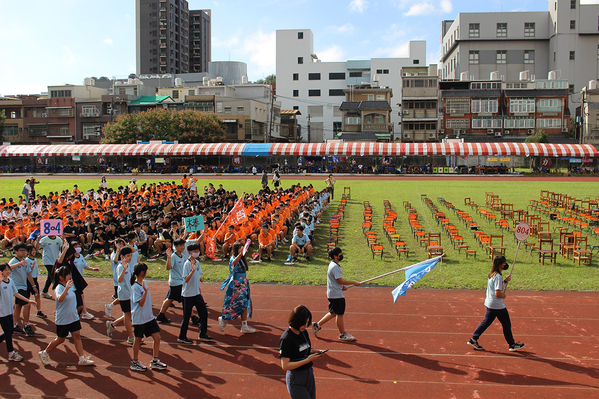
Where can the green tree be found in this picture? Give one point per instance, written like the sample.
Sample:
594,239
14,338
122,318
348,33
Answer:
2,119
160,124
268,80
539,137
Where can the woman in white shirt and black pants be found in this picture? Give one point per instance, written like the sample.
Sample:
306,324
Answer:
495,307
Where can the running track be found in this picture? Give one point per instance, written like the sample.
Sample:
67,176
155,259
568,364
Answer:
413,349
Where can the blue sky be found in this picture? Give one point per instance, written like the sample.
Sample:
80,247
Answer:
53,42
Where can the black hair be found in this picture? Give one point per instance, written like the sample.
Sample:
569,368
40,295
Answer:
179,241
18,246
497,263
131,235
236,246
140,267
3,266
300,316
62,271
29,248
334,252
126,251
192,247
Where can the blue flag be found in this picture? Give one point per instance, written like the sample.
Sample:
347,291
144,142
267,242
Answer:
413,274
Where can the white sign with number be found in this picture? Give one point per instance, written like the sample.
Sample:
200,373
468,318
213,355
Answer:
522,231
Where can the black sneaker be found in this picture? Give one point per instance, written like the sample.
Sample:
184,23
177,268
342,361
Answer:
41,315
516,346
474,343
161,318
205,337
184,341
294,260
195,320
308,258
29,331
17,330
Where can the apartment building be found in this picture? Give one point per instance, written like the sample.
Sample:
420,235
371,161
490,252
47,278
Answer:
563,40
317,88
419,104
588,114
483,110
366,114
13,125
170,38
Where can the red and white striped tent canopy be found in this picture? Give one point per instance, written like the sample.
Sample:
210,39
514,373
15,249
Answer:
303,149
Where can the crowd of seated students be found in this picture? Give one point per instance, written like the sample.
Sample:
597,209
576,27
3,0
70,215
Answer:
150,217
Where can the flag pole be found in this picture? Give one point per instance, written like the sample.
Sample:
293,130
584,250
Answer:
389,273
515,256
228,214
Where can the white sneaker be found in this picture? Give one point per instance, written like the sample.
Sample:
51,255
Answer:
44,357
15,357
106,257
130,340
346,337
87,316
69,335
86,361
221,324
88,256
247,329
109,328
108,310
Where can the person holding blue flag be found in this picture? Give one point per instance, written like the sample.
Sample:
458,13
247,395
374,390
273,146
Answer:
495,307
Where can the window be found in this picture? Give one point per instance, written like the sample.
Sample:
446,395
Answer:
381,97
385,72
300,60
352,120
336,75
60,93
300,35
416,62
522,105
371,97
529,29
175,94
518,123
571,89
502,29
549,123
552,103
240,110
485,85
227,109
484,106
90,110
529,56
295,93
64,130
11,131
314,76
474,30
573,4
355,74
296,107
457,106
191,92
314,93
572,55
501,56
473,57
89,130
486,123
336,92
379,119
572,24
296,76
457,123
379,71
418,83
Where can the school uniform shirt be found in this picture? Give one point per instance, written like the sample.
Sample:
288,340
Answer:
135,256
80,263
175,275
140,314
7,292
124,291
334,289
295,347
66,311
113,264
32,267
19,274
192,287
300,241
51,249
494,283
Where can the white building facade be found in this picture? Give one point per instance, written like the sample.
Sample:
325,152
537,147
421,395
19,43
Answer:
564,39
316,88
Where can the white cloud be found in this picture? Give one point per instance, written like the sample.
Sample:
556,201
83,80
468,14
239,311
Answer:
347,28
108,41
261,50
227,42
428,8
331,54
401,50
358,6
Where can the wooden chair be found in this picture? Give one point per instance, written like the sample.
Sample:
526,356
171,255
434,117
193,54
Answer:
546,250
580,250
495,246
566,246
347,192
434,245
376,248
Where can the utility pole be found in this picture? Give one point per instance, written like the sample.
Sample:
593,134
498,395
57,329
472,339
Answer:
309,128
272,113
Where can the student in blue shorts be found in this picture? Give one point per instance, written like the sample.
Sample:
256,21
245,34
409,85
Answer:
144,323
21,276
7,292
67,317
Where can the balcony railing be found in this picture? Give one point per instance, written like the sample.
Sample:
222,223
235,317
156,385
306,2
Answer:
376,126
90,114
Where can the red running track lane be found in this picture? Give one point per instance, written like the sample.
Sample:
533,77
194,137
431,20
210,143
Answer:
413,349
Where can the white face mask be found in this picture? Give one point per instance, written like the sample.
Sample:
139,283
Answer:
78,250
195,254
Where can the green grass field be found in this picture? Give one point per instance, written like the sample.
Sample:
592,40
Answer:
455,272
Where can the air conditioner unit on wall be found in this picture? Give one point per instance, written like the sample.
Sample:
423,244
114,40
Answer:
497,134
406,112
406,136
564,130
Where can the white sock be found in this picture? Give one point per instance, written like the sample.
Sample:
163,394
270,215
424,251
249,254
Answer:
244,323
11,353
81,357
